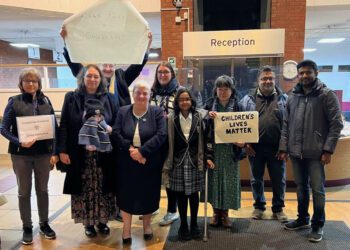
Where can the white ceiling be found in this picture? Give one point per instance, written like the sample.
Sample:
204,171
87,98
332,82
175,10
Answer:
42,27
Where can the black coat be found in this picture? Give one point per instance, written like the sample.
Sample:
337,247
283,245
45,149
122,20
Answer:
123,78
71,122
311,123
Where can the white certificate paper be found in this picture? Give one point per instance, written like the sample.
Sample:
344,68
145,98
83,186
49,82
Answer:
38,127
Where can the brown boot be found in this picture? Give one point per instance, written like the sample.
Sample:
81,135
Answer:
216,217
226,222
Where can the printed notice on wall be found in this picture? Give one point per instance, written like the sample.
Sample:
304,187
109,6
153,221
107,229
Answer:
37,127
109,31
237,127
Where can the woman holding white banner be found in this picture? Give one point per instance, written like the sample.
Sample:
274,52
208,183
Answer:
224,188
36,156
90,174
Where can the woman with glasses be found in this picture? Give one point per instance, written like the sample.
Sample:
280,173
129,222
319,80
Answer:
224,188
164,89
140,132
36,156
89,178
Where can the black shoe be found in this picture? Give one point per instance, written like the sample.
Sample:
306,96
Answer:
296,225
27,236
315,234
184,234
90,231
127,241
47,231
103,228
118,218
195,233
148,236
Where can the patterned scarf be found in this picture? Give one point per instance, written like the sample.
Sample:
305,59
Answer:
231,106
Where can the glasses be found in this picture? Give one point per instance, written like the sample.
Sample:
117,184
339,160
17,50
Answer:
163,72
267,78
184,99
96,77
30,81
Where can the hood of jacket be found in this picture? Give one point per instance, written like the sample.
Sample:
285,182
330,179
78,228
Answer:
317,87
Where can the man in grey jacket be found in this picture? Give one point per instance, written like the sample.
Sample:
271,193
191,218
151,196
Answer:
311,129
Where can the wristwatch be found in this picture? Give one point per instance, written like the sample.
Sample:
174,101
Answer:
290,71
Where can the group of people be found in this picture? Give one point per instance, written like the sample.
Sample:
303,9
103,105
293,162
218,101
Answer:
118,154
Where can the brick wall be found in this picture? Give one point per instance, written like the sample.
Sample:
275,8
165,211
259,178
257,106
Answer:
12,55
284,14
172,32
290,15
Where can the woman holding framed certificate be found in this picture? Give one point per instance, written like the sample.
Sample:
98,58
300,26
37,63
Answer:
32,155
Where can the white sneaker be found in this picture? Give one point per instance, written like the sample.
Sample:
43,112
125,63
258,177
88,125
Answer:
153,214
168,219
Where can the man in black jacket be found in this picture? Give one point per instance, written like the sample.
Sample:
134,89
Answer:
270,102
311,129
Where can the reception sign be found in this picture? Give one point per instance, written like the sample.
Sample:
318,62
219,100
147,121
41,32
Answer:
237,127
37,127
236,43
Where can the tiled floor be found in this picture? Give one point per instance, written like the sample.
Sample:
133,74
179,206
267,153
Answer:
71,236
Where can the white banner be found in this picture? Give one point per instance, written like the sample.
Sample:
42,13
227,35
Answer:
237,127
38,127
109,31
234,43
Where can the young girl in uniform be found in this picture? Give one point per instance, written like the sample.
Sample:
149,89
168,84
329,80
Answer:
183,171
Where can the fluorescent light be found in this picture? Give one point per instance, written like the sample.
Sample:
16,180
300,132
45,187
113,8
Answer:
309,50
24,45
153,55
331,40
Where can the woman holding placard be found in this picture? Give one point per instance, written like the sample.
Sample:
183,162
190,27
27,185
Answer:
36,156
224,188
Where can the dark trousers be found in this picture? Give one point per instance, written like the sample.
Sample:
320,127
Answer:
24,166
266,155
310,172
171,200
182,201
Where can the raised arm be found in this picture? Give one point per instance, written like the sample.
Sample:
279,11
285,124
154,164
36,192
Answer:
134,70
74,67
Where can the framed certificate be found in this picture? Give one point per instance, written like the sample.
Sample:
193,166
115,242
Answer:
38,127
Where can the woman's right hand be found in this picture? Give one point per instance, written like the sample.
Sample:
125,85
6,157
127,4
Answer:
28,144
63,32
210,164
65,158
212,114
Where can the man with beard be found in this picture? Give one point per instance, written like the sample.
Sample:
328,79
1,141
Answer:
270,102
311,129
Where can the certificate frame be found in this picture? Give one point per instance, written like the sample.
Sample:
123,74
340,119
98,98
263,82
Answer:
36,127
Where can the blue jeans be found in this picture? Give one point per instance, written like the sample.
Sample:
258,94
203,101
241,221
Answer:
266,155
310,171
